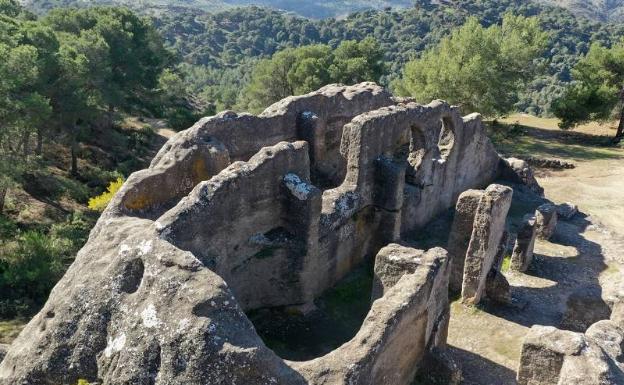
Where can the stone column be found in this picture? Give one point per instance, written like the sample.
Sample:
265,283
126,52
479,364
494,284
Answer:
489,225
459,238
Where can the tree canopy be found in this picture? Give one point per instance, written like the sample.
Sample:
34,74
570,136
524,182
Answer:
66,73
481,69
598,89
219,48
296,71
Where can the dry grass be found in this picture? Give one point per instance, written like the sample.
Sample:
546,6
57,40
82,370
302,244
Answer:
593,128
10,329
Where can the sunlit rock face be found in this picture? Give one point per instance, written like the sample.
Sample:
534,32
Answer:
241,212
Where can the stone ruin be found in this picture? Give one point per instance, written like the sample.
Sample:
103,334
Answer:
244,212
561,357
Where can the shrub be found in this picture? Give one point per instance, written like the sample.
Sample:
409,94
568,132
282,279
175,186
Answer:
29,268
8,227
76,230
100,202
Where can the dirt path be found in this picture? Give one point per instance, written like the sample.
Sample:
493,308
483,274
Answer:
584,253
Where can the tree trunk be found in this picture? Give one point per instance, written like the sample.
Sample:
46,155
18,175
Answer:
25,142
619,135
111,115
39,149
74,152
620,131
3,194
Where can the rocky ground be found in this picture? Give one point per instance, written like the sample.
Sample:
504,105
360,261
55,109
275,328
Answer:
584,254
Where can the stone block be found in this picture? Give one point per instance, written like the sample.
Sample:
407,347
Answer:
522,254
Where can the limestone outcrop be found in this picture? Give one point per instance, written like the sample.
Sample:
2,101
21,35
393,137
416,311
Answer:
241,212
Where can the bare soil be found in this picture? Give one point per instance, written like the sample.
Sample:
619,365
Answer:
584,252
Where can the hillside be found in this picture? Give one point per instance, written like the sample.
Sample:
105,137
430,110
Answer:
219,43
600,10
316,9
597,10
220,46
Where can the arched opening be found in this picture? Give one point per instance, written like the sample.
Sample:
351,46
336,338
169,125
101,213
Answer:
446,141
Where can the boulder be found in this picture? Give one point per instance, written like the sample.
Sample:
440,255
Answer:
546,220
519,171
489,225
556,357
439,368
543,353
392,263
525,243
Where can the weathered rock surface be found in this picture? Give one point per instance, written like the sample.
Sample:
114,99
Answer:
459,238
546,220
556,357
617,313
519,171
403,326
439,368
240,212
392,263
488,228
3,351
497,287
522,255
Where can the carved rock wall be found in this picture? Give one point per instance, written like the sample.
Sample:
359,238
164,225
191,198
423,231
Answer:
243,211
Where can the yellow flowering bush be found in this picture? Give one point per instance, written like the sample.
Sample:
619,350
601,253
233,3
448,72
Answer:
100,202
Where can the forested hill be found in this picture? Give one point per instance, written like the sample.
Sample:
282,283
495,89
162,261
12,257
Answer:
600,10
220,44
224,43
317,9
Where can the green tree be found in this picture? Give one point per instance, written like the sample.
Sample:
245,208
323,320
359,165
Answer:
355,62
481,69
135,53
77,96
296,71
11,8
598,90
